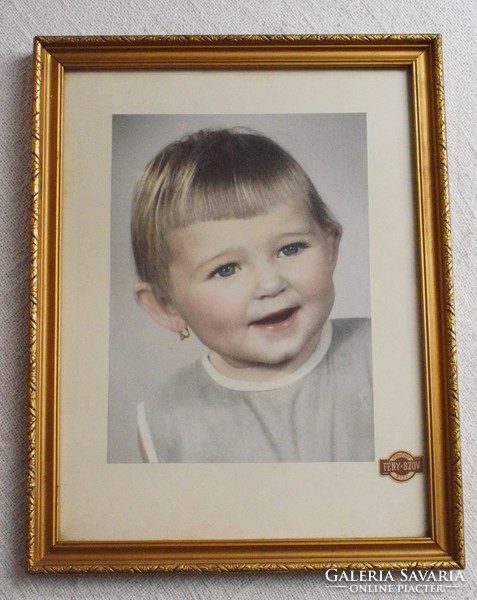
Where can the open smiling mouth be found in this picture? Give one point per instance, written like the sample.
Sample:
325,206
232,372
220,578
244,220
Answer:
278,319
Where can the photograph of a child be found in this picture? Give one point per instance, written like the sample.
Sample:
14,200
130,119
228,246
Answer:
235,248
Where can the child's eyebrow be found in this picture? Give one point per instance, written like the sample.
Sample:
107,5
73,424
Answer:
217,257
298,232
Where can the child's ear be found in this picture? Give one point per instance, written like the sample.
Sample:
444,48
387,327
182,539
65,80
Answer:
159,307
333,241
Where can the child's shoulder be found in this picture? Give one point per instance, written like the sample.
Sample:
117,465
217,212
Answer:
185,376
352,331
180,391
352,326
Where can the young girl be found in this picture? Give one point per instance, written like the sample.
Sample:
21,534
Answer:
232,242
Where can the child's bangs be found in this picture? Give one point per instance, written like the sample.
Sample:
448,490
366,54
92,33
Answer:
238,197
214,175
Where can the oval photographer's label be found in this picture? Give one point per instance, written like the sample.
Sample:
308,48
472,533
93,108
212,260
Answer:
401,466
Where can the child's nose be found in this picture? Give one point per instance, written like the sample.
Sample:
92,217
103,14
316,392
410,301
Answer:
269,283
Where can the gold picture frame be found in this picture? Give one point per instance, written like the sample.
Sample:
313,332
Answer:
419,58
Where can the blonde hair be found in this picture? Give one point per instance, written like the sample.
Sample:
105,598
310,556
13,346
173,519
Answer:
212,175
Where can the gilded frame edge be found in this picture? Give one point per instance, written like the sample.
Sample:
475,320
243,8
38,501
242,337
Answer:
422,54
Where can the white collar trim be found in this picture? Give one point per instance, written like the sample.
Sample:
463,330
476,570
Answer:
259,386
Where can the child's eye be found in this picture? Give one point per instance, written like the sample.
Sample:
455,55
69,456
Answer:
292,249
224,271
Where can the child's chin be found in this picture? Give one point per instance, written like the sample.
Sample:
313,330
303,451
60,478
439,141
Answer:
264,362
279,360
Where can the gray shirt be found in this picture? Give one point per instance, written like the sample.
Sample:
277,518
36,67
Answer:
322,413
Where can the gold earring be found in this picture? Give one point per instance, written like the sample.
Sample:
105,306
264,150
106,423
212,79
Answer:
184,333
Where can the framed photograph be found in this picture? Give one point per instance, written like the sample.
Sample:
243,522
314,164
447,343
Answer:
242,323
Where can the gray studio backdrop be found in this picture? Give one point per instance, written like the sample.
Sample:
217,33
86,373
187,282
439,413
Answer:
330,147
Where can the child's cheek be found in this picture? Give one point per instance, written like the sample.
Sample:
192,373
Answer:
213,307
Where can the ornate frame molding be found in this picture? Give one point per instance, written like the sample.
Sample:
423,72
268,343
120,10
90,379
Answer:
422,56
